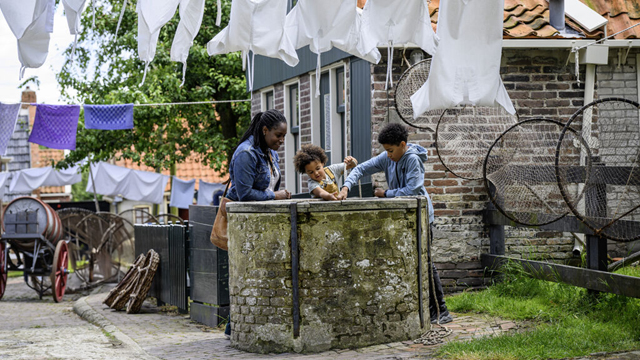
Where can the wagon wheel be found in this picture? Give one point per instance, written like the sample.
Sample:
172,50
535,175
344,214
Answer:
117,247
86,238
59,270
75,236
3,268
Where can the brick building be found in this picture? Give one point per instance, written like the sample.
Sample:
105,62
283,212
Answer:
538,72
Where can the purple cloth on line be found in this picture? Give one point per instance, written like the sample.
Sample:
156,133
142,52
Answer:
8,118
55,126
108,117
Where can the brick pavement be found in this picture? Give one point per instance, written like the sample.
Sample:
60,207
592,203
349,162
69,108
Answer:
31,328
168,335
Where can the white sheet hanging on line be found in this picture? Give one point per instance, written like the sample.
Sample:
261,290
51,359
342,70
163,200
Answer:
206,190
73,10
191,13
398,22
152,15
256,26
182,192
31,21
136,185
466,68
4,176
325,24
25,181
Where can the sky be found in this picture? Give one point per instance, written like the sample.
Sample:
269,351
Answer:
10,65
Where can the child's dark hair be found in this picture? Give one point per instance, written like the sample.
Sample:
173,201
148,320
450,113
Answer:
393,134
306,155
270,119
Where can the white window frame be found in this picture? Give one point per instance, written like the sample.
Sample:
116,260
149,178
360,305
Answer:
336,137
291,175
263,98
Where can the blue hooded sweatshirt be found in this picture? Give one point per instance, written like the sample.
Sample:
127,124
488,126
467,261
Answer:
405,178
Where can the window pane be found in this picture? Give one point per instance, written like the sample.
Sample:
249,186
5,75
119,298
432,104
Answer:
327,123
294,105
269,101
340,86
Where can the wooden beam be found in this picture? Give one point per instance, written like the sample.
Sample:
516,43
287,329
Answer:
589,279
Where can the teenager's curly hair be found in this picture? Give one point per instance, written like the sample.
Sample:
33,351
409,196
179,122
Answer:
393,134
306,155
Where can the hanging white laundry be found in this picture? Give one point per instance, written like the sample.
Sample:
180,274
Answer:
136,185
146,186
191,13
466,68
256,26
4,176
31,21
182,192
346,33
25,181
397,22
206,190
110,180
73,10
152,15
325,24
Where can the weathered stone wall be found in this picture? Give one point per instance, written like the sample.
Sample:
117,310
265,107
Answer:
358,275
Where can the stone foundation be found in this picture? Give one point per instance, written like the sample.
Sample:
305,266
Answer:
358,274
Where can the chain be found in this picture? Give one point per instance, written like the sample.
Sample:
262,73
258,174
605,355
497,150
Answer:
434,336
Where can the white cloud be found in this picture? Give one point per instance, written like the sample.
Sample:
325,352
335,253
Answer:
10,65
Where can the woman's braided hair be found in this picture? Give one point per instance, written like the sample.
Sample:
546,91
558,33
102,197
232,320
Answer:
270,119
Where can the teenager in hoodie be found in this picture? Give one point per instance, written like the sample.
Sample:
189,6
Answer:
403,166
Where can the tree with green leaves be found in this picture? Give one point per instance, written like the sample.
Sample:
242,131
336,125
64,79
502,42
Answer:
107,70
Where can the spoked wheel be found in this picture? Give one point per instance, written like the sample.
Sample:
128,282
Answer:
60,270
3,268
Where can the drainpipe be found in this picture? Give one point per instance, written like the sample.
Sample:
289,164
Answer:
556,14
589,89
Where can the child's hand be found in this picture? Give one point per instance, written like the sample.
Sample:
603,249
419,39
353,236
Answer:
350,162
329,197
343,193
379,192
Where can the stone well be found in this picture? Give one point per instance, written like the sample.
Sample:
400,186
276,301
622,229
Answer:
345,275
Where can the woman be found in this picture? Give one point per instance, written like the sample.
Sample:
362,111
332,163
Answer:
254,171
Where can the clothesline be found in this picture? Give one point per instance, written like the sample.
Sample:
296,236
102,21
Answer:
170,104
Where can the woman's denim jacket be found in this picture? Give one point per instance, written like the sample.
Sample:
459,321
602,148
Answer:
250,173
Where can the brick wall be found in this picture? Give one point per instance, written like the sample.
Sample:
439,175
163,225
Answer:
540,85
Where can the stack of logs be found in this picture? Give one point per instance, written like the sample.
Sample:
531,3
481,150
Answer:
135,285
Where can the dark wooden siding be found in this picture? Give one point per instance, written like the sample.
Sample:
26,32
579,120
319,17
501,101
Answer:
269,71
361,111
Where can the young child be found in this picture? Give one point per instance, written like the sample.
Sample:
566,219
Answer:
323,181
403,166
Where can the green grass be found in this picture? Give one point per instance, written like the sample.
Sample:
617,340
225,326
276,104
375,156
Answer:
14,274
568,321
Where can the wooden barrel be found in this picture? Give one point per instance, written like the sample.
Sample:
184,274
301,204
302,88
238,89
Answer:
48,221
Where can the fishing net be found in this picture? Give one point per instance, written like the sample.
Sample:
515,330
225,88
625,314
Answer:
520,176
598,157
410,82
464,135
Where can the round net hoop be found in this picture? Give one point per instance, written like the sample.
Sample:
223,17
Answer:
465,134
519,173
411,81
598,167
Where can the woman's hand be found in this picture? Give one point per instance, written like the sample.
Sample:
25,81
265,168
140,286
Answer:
282,195
350,162
343,193
379,192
